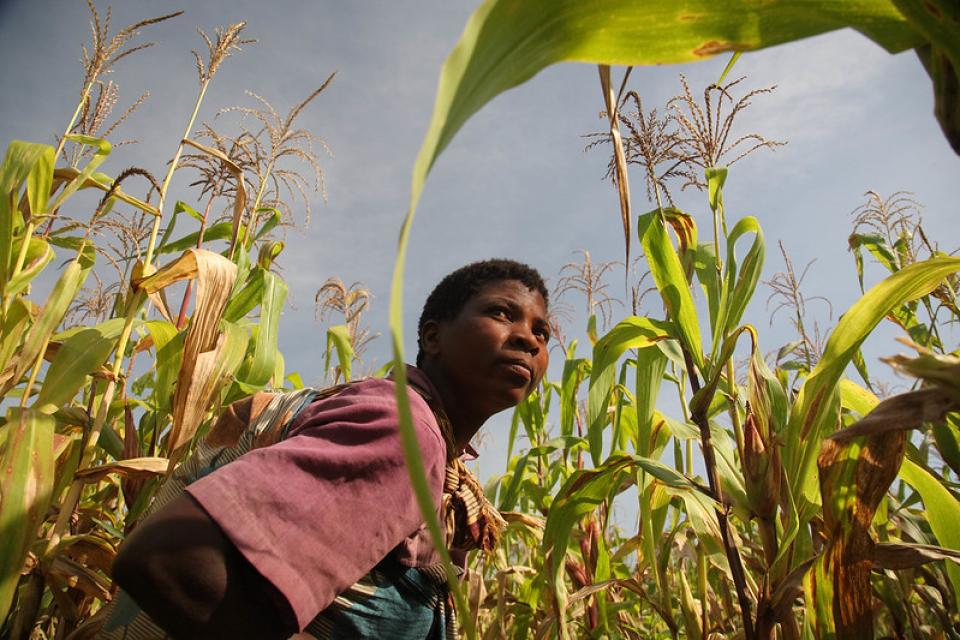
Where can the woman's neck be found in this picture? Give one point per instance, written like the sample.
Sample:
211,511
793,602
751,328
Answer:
464,420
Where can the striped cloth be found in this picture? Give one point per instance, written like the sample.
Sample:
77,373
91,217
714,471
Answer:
392,601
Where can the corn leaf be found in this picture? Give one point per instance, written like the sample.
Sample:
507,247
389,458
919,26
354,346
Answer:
23,162
262,367
145,467
630,333
574,371
38,255
103,182
245,297
338,339
219,231
101,151
817,406
739,284
208,354
651,364
14,327
81,354
943,512
26,483
64,291
671,280
168,343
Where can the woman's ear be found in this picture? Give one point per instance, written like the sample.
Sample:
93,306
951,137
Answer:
430,338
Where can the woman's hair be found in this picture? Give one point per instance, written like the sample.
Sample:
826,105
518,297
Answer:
449,297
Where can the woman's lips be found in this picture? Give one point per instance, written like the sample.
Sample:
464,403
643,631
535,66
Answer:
518,369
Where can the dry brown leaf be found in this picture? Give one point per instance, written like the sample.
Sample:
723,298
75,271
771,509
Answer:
132,468
201,369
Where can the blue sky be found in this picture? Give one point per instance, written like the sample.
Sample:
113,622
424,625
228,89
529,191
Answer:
515,182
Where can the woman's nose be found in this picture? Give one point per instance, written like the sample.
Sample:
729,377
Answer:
524,338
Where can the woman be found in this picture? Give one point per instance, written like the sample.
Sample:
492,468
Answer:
321,531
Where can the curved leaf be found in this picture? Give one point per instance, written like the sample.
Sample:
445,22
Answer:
943,512
817,407
80,355
671,280
630,333
739,284
265,350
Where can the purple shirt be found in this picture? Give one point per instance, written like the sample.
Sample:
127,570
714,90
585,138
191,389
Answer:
315,512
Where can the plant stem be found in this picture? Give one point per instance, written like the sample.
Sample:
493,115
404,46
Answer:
90,446
256,204
710,463
166,180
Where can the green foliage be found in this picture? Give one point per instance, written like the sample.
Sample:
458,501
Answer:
112,387
758,549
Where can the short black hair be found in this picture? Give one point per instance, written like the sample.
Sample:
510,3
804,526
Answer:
450,296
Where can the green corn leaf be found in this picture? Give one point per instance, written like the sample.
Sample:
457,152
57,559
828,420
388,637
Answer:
80,355
295,380
262,367
23,162
815,411
26,483
688,607
671,280
183,207
630,333
219,231
716,177
101,151
168,344
705,265
30,162
943,512
64,291
583,492
338,338
877,245
856,398
15,324
739,284
40,181
38,255
247,297
269,223
947,436
574,371
651,364
532,416
509,496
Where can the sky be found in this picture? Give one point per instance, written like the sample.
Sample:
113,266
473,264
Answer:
516,181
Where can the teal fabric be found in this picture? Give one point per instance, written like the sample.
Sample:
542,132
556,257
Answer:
403,607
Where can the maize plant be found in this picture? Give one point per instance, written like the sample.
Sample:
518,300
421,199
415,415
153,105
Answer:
106,387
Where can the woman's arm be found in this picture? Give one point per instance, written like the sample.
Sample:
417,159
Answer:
187,575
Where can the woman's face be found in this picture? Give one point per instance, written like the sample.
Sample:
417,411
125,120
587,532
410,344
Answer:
494,352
